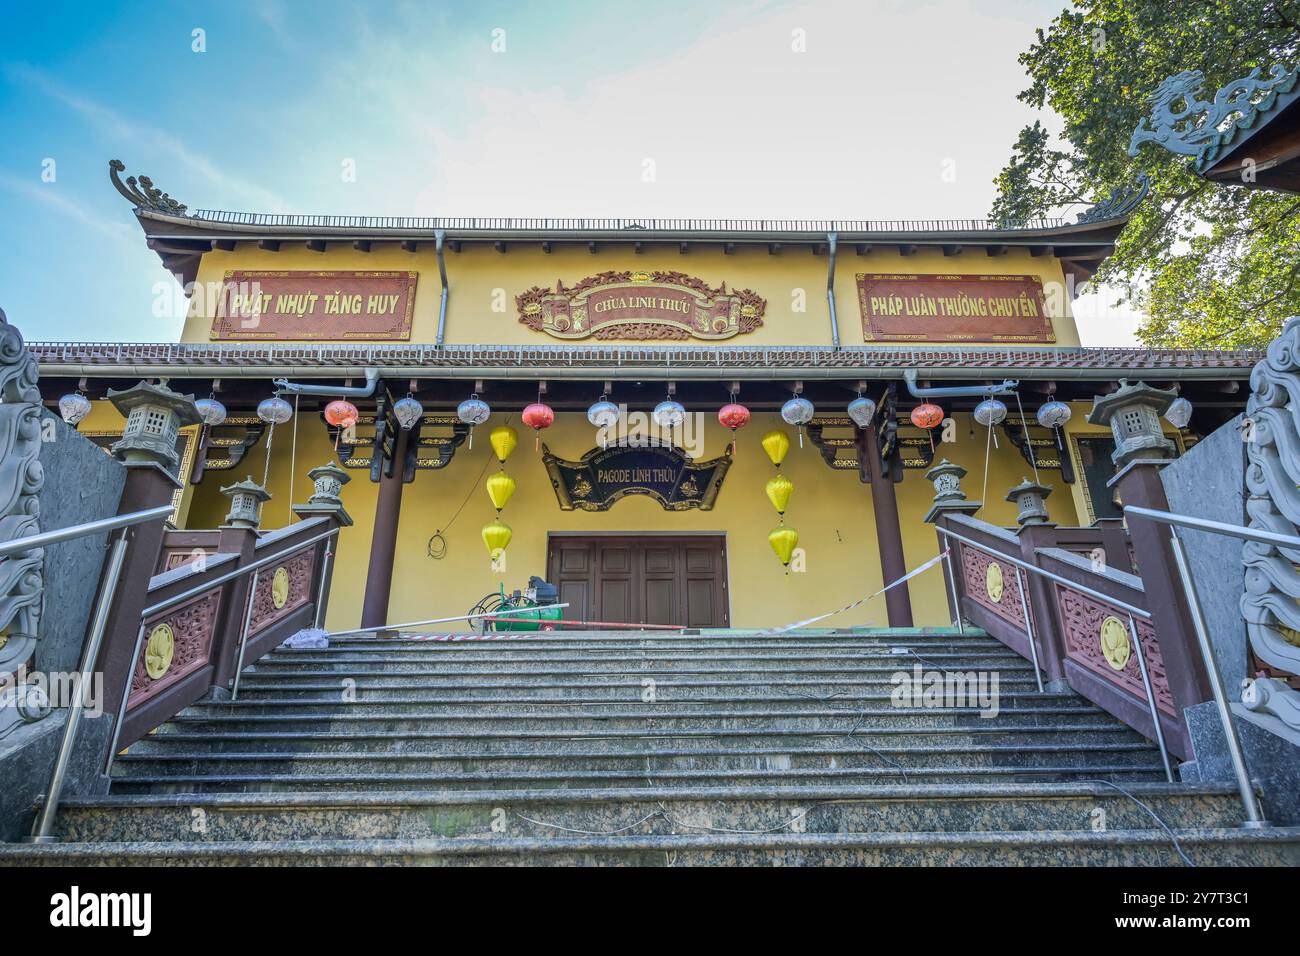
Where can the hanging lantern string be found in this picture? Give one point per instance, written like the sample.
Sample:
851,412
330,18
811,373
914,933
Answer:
984,496
293,455
1024,424
270,437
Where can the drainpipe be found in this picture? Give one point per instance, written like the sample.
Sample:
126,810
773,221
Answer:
830,291
439,240
956,391
334,391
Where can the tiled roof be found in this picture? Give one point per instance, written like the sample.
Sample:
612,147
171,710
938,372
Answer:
51,355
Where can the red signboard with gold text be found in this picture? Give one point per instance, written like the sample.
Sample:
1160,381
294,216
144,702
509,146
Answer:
292,306
941,308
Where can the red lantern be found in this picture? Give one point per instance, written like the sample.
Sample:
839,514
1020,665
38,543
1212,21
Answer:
733,415
927,416
538,416
341,413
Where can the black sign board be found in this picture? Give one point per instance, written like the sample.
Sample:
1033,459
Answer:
604,475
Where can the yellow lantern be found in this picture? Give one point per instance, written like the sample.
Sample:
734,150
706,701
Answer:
503,439
778,492
496,536
499,488
783,541
776,443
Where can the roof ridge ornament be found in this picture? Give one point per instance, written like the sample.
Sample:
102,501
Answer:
1120,203
1201,126
142,193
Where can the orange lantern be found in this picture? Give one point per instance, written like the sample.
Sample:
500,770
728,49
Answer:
342,414
927,416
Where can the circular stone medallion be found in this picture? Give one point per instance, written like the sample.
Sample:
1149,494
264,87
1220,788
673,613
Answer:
280,588
993,583
1115,645
158,652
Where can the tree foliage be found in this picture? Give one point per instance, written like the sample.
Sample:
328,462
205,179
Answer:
1209,265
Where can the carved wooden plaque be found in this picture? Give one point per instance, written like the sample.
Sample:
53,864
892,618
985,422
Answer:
297,306
953,308
641,306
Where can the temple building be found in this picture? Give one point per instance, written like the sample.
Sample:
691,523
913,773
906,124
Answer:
428,335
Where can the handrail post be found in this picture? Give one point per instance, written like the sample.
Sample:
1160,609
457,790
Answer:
126,695
1151,698
952,589
243,635
42,832
1029,630
1254,815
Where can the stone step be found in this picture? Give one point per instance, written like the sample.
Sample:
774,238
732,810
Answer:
185,784
433,666
1012,693
710,637
496,738
549,814
1209,847
631,755
664,714
464,653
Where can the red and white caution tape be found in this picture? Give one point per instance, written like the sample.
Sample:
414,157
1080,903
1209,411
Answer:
860,601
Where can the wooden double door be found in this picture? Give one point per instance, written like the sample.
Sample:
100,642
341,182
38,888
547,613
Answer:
646,579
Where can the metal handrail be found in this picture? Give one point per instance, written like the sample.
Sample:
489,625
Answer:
1130,609
1254,814
44,538
44,825
1082,588
203,588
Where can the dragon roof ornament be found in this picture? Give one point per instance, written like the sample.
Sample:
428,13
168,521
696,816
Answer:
1121,202
1185,124
141,192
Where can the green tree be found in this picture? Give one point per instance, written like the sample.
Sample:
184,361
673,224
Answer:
1210,265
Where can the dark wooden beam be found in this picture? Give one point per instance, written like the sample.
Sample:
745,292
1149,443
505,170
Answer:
547,246
361,245
316,245
863,248
499,246
774,248
591,247
682,247
953,250
225,245
638,247
995,250
454,245
819,248
410,245
906,249
1036,251
269,245
728,248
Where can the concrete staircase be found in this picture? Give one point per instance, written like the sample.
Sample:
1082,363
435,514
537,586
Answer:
720,749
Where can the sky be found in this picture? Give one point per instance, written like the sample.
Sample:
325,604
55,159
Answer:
763,109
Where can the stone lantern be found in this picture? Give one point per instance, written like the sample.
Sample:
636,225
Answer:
246,499
1029,497
328,481
1133,414
948,495
154,416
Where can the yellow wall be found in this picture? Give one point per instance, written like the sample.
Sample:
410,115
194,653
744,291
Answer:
831,510
484,283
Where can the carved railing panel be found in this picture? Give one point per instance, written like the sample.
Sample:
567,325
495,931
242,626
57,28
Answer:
176,644
992,584
1269,606
22,576
1097,637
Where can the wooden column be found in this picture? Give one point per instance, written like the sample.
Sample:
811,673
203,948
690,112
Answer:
889,535
383,543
